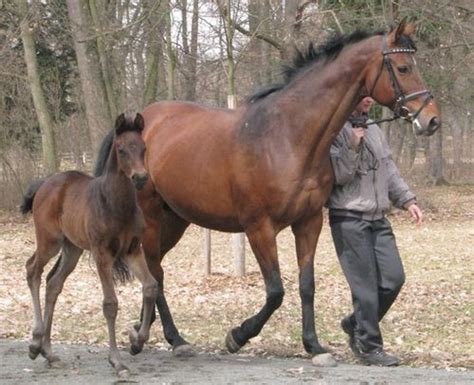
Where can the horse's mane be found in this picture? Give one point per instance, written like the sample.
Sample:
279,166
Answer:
323,53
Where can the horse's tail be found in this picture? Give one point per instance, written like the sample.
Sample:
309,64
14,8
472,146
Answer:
27,205
103,155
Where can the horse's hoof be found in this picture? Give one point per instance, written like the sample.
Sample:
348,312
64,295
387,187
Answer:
230,343
325,359
34,351
184,350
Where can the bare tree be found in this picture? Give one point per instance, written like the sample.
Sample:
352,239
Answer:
45,122
98,116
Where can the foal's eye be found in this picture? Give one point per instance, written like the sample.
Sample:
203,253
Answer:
122,152
403,69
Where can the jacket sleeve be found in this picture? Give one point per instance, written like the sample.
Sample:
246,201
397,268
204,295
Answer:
344,159
398,191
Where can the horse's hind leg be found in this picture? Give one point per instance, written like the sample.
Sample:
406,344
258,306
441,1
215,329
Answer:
162,233
262,239
45,250
67,263
139,268
110,308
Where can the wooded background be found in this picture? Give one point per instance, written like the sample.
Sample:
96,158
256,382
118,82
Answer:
68,68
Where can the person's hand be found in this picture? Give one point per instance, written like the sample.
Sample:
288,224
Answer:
356,137
416,213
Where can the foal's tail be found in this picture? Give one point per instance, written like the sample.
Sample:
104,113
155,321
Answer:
27,205
103,155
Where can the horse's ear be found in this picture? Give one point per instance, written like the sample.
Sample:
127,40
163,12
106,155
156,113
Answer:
119,123
404,28
139,122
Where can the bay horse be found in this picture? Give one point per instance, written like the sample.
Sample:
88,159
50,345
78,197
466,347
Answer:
265,166
73,212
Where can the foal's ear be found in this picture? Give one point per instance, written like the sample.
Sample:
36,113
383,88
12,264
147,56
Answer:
139,122
120,121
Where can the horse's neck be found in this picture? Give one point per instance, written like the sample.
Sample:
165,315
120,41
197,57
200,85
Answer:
325,99
117,189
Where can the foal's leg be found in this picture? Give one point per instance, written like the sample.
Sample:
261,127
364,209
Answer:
306,238
105,263
262,239
68,262
139,268
162,233
47,247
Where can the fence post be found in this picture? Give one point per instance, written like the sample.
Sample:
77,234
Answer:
238,240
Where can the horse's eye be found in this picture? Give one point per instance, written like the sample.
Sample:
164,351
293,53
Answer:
403,69
122,152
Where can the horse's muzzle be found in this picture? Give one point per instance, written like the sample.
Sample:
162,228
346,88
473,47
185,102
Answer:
429,129
139,180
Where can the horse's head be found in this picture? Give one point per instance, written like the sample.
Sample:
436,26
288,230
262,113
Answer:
394,81
130,149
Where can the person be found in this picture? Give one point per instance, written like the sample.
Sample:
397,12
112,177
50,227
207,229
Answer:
366,181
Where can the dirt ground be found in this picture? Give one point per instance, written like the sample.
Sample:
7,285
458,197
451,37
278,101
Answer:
429,327
87,365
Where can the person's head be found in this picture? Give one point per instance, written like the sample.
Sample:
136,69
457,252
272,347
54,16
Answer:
364,106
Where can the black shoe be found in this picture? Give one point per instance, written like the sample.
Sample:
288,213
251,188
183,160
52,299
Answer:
348,328
378,358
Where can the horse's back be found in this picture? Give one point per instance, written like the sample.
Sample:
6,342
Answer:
190,149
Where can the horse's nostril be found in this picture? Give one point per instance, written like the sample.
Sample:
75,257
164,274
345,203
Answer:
434,124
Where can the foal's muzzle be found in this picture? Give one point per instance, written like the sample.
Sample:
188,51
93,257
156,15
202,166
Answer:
139,180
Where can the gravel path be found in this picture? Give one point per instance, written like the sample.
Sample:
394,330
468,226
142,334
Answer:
85,364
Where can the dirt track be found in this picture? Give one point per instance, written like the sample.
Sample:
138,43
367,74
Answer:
85,364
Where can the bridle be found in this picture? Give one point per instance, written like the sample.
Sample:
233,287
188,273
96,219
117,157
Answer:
400,110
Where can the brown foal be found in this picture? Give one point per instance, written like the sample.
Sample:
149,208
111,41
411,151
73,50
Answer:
73,212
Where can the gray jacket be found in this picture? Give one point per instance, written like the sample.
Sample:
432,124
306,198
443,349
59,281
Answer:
367,180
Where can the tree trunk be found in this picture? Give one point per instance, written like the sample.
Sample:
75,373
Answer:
171,55
436,159
97,113
99,20
45,122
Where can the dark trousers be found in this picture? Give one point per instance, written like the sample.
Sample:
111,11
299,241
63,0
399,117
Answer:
371,263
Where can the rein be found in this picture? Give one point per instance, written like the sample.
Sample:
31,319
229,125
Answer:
400,110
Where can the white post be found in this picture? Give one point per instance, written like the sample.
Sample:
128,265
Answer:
207,252
238,240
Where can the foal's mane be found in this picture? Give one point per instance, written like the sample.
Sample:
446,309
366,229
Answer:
324,53
123,124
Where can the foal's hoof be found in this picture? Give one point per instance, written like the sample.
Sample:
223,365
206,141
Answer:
230,343
184,350
123,372
135,346
324,359
56,364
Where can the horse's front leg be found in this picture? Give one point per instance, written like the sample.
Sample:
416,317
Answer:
104,263
306,234
162,232
138,266
262,239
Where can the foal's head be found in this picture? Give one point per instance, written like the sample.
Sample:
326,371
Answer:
130,149
393,80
